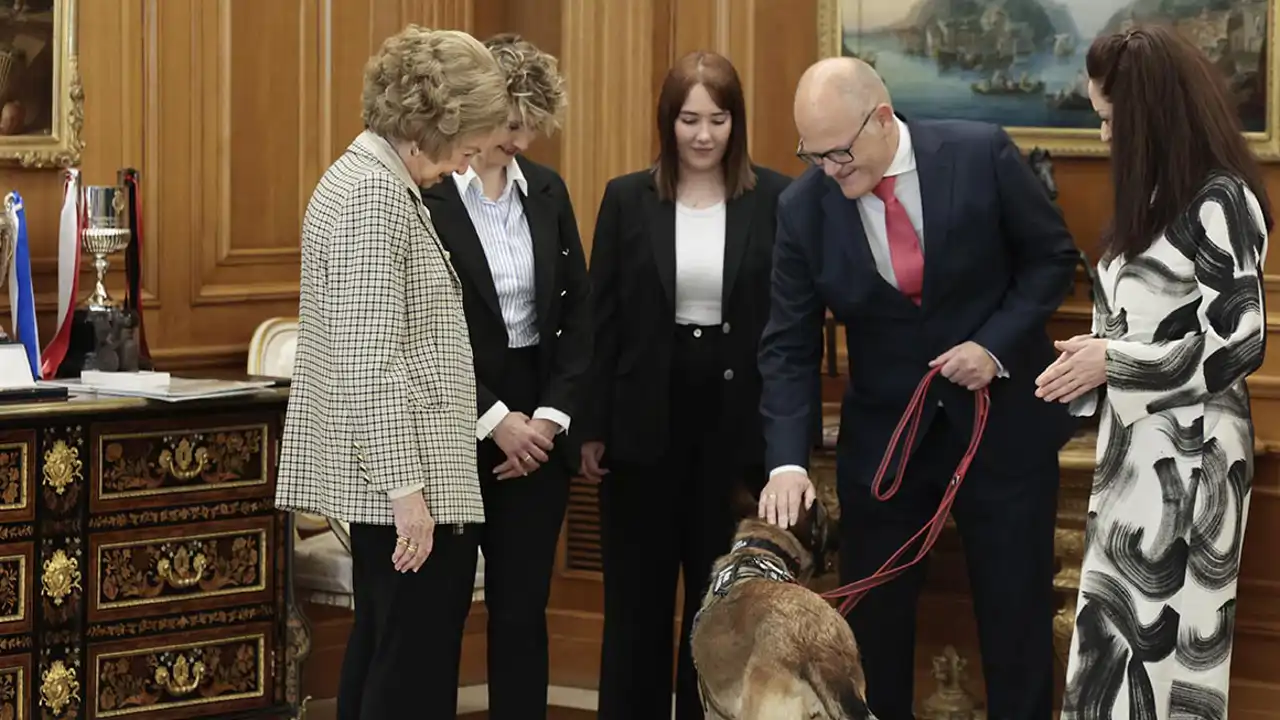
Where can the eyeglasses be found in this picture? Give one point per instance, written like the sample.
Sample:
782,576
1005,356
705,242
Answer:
840,156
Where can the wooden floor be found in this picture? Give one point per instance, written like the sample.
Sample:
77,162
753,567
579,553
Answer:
324,710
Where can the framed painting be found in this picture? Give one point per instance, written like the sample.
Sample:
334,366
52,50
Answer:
1020,63
41,98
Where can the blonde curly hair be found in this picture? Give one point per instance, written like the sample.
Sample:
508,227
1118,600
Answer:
534,84
433,88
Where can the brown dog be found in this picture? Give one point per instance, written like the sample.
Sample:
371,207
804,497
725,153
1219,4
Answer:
765,646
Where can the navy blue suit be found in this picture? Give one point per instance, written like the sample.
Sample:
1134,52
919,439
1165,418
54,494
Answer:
998,262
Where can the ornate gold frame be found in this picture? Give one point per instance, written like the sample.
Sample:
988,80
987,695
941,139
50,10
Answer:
1085,142
62,147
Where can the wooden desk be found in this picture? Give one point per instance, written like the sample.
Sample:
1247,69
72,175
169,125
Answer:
143,569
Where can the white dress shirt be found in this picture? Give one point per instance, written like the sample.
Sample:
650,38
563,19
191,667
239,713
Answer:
507,241
907,190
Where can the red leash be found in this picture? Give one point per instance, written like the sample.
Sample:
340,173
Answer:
853,592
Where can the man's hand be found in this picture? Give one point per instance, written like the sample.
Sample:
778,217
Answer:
414,532
782,499
1081,367
592,452
968,365
526,448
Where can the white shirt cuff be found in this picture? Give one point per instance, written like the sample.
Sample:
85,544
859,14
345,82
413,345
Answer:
1000,371
405,491
490,419
788,468
554,415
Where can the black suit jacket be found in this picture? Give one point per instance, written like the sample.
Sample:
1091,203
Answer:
998,262
633,270
562,292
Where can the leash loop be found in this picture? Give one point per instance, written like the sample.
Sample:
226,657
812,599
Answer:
849,595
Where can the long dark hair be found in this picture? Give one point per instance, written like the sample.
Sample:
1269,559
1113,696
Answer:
716,74
1173,125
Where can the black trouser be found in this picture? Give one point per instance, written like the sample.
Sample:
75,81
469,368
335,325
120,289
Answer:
1007,526
658,519
402,655
523,516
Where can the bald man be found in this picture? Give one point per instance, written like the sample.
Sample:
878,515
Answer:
933,244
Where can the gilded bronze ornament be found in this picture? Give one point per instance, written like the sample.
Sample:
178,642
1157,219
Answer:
62,466
181,677
950,701
59,687
185,461
61,576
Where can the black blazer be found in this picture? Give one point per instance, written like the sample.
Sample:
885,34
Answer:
998,262
633,271
562,292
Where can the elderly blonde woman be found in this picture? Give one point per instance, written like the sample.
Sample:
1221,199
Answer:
509,225
381,421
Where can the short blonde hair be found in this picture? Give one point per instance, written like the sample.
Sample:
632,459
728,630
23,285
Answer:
534,84
434,88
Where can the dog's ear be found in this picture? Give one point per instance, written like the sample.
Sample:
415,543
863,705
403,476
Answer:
814,532
808,528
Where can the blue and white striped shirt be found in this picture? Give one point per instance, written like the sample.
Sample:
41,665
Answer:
508,248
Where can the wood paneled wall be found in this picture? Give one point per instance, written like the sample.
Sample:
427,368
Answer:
232,109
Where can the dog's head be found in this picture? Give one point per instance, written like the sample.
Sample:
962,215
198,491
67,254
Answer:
814,534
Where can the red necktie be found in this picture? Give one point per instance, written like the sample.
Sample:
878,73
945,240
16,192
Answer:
904,244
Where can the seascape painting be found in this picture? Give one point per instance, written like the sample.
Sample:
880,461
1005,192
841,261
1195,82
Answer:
1020,63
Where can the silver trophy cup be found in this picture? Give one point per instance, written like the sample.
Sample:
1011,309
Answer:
107,232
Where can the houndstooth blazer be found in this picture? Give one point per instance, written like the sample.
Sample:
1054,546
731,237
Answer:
383,397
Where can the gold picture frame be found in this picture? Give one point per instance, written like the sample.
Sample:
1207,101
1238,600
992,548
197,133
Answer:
902,54
41,95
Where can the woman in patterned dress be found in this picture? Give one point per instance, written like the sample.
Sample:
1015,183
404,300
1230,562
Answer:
1178,325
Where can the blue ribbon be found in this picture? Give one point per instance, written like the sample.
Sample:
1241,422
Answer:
24,312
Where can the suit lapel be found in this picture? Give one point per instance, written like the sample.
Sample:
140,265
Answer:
539,212
737,235
842,227
662,236
459,234
933,167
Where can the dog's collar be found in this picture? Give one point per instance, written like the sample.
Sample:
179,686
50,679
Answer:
764,567
793,565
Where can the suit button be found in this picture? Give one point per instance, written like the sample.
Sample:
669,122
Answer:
728,374
725,328
563,293
564,251
558,333
697,332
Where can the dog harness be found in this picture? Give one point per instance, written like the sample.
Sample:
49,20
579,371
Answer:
749,566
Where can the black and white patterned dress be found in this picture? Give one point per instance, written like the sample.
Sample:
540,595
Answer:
1170,499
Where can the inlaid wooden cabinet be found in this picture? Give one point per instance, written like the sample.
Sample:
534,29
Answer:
143,570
